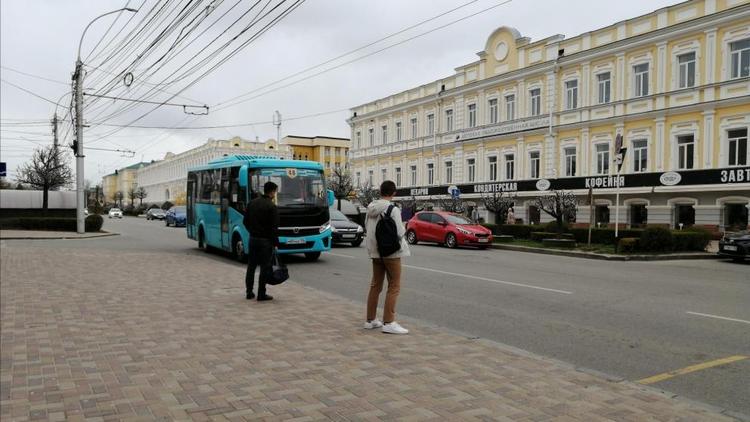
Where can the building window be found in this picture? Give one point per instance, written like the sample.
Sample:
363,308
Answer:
601,214
641,79
370,180
492,167
398,132
471,169
413,170
570,161
534,164
604,83
430,124
328,164
737,139
510,107
740,58
685,151
398,176
448,120
686,77
640,156
509,166
602,159
371,135
384,134
571,94
638,215
449,172
414,128
536,101
383,175
492,106
430,173
472,112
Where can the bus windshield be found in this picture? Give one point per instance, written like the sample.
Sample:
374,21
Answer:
297,187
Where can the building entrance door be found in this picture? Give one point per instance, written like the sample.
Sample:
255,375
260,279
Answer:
685,215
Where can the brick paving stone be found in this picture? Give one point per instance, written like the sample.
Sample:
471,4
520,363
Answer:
133,336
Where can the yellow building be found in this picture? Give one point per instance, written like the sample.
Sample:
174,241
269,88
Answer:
122,180
328,151
530,116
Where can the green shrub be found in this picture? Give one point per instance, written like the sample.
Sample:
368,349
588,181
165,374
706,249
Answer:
657,239
539,236
551,227
628,244
520,231
94,223
494,228
603,236
693,239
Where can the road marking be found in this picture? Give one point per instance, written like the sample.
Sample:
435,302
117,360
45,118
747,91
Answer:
509,283
689,369
718,317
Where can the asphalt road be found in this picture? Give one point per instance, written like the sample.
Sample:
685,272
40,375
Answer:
628,319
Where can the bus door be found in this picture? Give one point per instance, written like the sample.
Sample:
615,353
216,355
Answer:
191,192
225,241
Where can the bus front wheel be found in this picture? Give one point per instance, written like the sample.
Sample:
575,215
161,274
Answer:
238,249
312,256
201,239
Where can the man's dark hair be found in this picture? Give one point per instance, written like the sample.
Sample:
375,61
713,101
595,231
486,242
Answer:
270,187
387,188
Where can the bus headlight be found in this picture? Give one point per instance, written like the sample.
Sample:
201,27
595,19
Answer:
360,229
324,227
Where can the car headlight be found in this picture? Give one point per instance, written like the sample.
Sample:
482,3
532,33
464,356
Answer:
360,229
324,227
463,230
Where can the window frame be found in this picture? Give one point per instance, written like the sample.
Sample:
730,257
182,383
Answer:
604,97
689,158
384,134
430,169
397,171
413,126
430,124
641,88
413,174
471,115
686,67
492,111
471,169
449,120
737,139
371,137
739,53
639,162
571,94
492,167
448,171
535,168
602,167
570,161
535,102
510,163
399,132
510,107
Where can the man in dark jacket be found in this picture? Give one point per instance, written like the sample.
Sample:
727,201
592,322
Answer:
262,222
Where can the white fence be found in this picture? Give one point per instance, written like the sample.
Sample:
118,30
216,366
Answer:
29,199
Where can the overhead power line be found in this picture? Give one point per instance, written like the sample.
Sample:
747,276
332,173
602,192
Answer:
35,76
30,92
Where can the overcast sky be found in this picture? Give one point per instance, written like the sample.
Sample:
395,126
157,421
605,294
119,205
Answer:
40,37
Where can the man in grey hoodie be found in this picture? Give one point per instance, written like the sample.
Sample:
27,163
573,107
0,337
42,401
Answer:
388,265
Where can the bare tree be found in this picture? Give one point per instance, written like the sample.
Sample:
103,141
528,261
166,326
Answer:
367,193
560,205
4,184
141,194
48,170
499,203
341,184
118,197
451,204
132,196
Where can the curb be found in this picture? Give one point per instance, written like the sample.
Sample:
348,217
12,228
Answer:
607,257
63,237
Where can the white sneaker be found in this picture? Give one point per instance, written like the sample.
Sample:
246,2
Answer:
375,323
394,328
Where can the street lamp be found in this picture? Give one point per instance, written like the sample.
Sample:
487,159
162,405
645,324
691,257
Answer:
78,143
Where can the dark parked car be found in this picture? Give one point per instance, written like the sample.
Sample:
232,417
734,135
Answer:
155,214
447,228
176,216
735,245
345,230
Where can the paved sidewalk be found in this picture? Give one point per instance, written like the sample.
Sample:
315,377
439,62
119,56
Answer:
169,336
44,234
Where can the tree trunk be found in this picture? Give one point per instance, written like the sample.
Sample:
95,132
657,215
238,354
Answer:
339,204
45,198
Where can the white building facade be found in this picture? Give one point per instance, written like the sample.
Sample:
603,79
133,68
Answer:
166,180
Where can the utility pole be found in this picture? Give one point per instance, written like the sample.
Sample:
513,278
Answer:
277,123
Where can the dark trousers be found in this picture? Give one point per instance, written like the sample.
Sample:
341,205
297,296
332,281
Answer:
261,253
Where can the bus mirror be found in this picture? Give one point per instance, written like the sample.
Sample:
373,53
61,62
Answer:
243,176
331,198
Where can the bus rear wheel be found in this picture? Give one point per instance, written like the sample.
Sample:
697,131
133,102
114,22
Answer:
238,249
312,256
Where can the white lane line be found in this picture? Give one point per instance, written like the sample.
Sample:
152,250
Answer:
509,283
718,317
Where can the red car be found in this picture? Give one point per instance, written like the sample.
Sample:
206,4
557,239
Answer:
447,228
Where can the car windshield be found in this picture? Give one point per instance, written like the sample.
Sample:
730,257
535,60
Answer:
297,187
337,215
115,210
157,211
178,209
457,219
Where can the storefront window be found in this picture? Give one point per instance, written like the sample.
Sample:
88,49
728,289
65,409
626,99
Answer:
685,215
735,217
638,215
602,214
